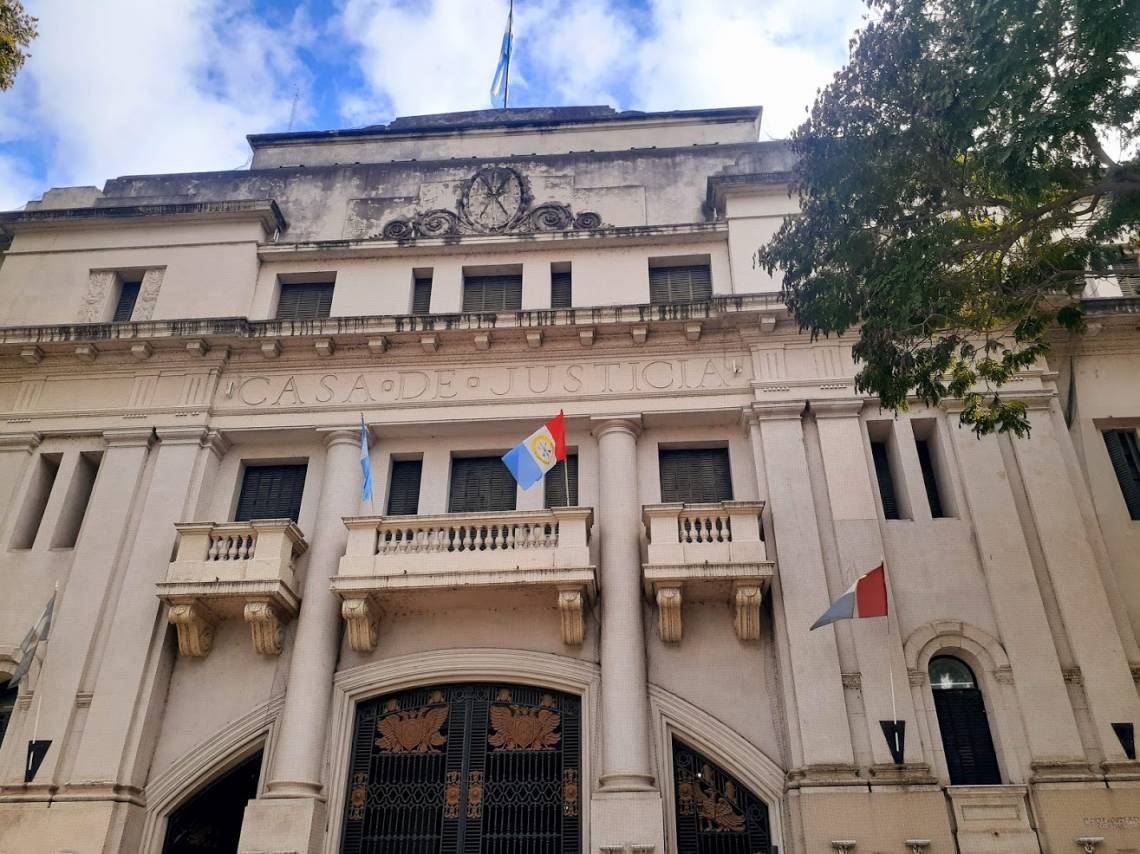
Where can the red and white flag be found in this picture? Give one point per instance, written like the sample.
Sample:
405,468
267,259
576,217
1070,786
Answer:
867,597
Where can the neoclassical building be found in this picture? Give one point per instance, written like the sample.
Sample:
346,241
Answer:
248,655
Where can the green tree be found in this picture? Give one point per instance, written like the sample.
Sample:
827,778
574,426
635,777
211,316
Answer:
956,189
17,29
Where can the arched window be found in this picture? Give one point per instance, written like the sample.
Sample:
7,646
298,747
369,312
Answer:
962,721
7,704
210,822
715,813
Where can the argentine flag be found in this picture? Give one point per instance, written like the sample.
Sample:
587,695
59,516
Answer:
499,83
534,456
365,461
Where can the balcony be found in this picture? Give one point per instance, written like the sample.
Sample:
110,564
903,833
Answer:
233,570
706,553
528,550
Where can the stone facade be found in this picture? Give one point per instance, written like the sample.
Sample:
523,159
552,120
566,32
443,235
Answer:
185,642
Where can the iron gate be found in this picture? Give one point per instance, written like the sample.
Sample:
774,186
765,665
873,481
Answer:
465,769
715,814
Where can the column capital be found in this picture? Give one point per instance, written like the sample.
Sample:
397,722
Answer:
181,435
133,437
603,424
26,442
777,410
217,442
846,407
340,435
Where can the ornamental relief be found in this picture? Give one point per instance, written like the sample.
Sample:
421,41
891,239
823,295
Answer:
495,200
413,732
523,728
716,813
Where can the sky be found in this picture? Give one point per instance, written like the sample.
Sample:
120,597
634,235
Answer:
128,87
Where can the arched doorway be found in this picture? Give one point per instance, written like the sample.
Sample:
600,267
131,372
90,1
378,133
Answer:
210,822
966,740
471,769
715,813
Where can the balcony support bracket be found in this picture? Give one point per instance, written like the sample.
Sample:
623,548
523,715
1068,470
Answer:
265,626
195,623
570,605
363,621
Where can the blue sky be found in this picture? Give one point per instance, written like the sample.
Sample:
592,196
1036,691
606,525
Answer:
118,87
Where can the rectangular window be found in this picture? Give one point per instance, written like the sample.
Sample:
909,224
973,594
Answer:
128,296
926,462
75,502
404,488
880,455
560,296
271,492
1125,456
301,301
46,467
556,480
695,475
492,293
421,294
480,485
688,283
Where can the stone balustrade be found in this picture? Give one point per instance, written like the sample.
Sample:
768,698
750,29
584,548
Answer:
522,549
233,570
706,552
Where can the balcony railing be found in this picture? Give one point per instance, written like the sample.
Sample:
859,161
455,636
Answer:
705,552
233,570
516,549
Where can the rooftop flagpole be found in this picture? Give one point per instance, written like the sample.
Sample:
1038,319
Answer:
510,45
500,84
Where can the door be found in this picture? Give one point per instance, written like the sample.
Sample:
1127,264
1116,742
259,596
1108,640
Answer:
465,769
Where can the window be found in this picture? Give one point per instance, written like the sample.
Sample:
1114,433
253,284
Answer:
404,488
492,293
7,704
560,295
715,812
75,502
421,294
46,467
966,740
565,472
1125,456
881,456
128,296
271,492
926,462
688,283
480,485
210,821
305,301
694,475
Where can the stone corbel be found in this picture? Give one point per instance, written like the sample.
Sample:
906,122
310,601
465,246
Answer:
195,623
265,627
586,336
363,623
746,601
669,601
570,606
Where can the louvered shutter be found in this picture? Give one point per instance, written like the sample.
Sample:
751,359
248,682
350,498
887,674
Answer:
966,740
928,478
691,283
305,301
555,483
271,492
1125,456
404,489
695,475
492,293
480,485
421,296
560,296
886,482
125,307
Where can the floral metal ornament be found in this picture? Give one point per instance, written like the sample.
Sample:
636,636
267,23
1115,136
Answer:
719,813
413,732
519,728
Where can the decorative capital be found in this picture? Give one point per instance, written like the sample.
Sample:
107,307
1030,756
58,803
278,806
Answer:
349,435
840,408
603,424
26,442
182,435
778,410
129,438
265,627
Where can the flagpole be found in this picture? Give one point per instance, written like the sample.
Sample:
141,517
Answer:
890,663
507,72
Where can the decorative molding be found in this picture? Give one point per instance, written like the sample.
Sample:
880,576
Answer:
142,350
586,336
195,623
26,442
639,333
570,607
429,343
363,623
265,624
33,355
148,294
93,309
746,601
1003,675
378,344
534,338
916,678
843,846
271,349
482,340
693,331
197,347
325,347
669,601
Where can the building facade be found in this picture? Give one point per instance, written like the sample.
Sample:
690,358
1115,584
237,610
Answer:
247,655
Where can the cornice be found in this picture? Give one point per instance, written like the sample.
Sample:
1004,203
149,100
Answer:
262,210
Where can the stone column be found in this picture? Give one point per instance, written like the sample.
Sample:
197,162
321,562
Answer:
628,807
290,817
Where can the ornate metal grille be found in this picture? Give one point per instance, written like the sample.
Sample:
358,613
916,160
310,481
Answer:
465,769
715,814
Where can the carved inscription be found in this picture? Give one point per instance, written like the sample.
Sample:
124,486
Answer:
577,379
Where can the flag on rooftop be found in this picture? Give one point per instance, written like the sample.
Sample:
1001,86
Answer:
867,597
365,461
501,81
538,453
37,633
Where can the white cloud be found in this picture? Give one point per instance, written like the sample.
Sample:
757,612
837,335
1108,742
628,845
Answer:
17,184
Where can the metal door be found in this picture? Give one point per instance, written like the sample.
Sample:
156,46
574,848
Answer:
465,769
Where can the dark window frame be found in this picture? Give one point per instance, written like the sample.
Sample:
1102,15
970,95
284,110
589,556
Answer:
694,475
930,477
492,293
554,484
561,289
260,497
304,300
421,294
1124,453
884,476
480,484
128,298
404,498
964,727
672,283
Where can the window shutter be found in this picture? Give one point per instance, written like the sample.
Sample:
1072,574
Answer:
404,488
1125,456
271,492
555,483
480,485
886,483
695,475
492,293
560,290
305,301
969,749
421,296
928,478
691,283
125,307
